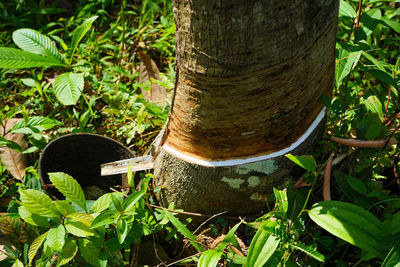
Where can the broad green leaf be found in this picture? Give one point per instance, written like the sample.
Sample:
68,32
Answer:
209,258
346,63
78,229
69,187
281,201
84,218
383,76
262,248
56,238
357,185
117,202
64,207
90,253
346,10
306,162
105,218
68,252
183,230
395,25
37,202
35,246
122,230
35,124
374,105
29,82
350,223
18,263
370,19
68,87
130,201
12,58
78,34
37,43
34,219
102,203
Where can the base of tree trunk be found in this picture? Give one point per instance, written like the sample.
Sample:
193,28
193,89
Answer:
240,190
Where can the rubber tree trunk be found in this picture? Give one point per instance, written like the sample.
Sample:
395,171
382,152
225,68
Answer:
249,80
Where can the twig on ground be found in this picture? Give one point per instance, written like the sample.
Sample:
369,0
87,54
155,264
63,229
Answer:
364,143
327,179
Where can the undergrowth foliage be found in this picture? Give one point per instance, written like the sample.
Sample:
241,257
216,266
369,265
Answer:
78,66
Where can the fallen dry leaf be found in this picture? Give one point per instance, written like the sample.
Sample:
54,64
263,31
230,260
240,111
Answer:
14,161
148,69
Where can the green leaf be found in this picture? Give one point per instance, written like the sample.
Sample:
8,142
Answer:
130,201
18,263
37,202
69,187
35,246
262,248
64,207
350,223
37,43
105,218
374,105
78,229
102,203
68,87
229,238
68,252
310,251
90,253
183,230
117,202
209,258
357,185
34,124
392,24
34,219
78,34
56,238
122,230
281,201
376,62
393,257
84,218
346,10
383,76
306,162
12,58
347,61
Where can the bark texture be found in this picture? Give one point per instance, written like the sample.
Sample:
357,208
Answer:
249,79
251,74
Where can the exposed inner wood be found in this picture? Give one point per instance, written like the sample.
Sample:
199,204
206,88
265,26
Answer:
242,90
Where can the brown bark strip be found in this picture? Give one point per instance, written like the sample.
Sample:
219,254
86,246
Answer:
364,143
327,179
226,110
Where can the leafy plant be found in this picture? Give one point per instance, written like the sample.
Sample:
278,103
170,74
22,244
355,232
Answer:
38,50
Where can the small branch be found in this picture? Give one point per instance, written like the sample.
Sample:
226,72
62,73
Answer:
180,212
178,261
327,179
364,143
357,22
212,217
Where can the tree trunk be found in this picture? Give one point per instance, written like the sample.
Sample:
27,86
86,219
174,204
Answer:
250,74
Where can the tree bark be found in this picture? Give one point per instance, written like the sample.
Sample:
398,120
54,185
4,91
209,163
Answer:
250,75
